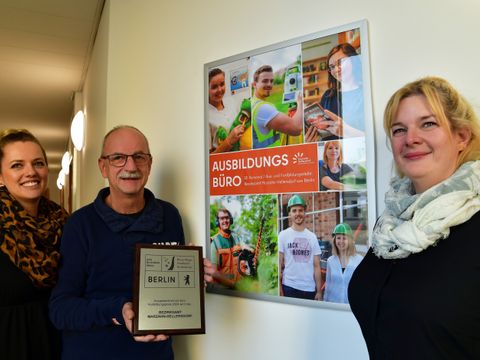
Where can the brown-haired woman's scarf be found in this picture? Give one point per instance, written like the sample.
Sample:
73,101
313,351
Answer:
32,243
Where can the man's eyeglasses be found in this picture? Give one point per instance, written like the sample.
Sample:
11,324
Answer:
119,160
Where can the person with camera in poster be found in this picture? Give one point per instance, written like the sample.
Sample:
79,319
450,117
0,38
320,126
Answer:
268,123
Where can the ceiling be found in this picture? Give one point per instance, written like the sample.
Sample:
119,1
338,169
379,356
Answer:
45,48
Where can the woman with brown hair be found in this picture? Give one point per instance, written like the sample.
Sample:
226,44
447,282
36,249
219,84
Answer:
343,101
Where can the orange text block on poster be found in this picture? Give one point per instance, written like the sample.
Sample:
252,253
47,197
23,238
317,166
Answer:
283,169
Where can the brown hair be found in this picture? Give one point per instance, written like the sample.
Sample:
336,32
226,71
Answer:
215,72
224,210
261,69
450,108
9,136
349,51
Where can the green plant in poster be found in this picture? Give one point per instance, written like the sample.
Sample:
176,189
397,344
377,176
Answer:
255,223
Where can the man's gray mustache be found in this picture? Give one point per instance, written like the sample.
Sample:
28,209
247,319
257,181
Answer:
130,175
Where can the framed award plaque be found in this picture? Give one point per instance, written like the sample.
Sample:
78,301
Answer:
168,296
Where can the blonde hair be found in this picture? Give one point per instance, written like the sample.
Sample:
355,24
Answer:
340,156
351,250
450,108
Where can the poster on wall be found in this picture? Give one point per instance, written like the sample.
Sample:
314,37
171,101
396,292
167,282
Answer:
290,199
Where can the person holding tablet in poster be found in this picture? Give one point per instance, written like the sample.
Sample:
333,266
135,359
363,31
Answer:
299,256
268,123
416,292
342,102
221,114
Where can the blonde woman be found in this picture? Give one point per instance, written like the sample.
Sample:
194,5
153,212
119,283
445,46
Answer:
416,293
332,168
341,265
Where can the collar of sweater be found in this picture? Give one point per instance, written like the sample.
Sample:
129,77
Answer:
150,220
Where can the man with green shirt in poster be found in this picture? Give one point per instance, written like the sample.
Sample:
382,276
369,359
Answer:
268,123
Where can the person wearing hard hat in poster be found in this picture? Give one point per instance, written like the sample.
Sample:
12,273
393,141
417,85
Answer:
341,265
299,256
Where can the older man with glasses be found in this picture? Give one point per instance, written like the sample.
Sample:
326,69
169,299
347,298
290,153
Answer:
92,302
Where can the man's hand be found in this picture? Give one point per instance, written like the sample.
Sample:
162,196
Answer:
300,101
208,271
128,315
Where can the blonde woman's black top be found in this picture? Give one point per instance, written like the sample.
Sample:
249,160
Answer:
426,306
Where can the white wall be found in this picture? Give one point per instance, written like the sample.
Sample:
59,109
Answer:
87,179
155,51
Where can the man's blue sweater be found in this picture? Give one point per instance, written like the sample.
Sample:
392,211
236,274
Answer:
96,277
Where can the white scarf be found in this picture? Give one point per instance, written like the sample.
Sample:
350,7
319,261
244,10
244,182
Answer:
413,222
